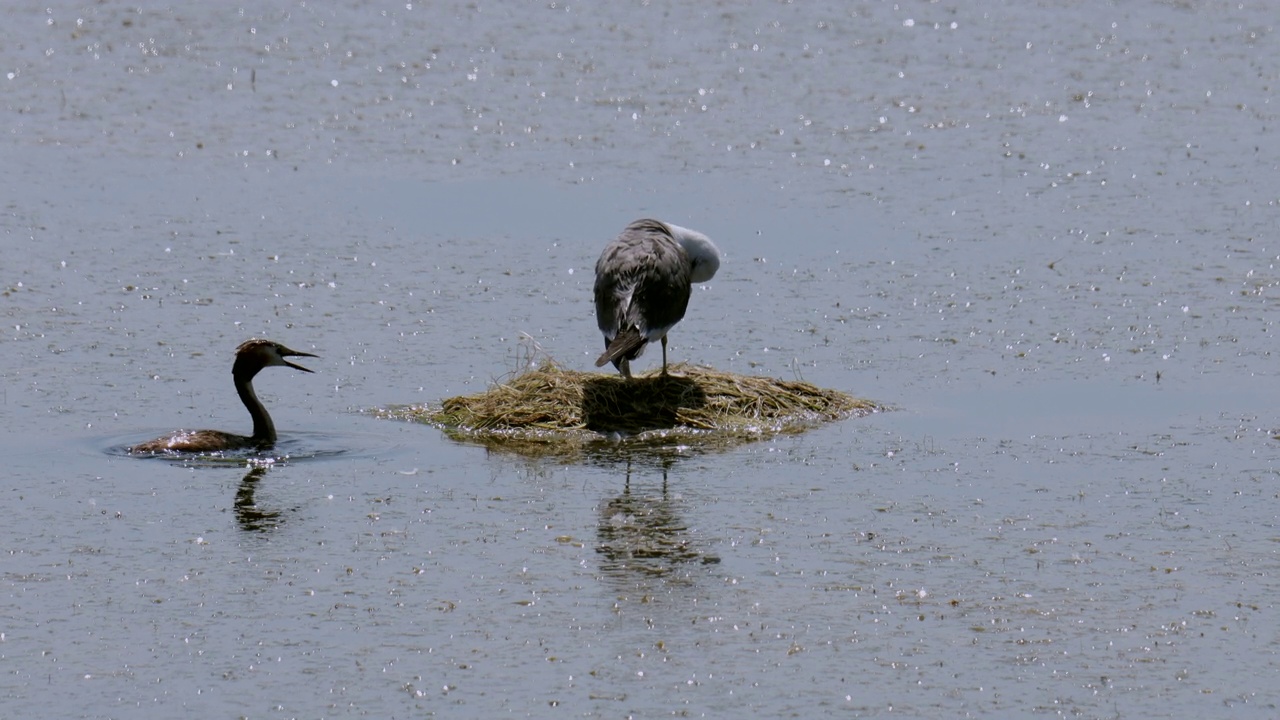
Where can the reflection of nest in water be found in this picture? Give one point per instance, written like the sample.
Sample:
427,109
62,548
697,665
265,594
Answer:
550,410
645,536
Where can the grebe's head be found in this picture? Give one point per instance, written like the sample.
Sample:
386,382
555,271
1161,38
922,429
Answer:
255,354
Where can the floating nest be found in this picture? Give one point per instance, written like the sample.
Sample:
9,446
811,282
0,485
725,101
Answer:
547,410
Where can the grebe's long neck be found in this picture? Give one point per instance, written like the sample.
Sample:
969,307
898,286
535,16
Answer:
264,431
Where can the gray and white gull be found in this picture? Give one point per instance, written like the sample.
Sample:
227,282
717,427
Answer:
644,279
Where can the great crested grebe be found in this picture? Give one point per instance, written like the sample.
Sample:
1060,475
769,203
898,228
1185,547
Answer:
643,282
251,357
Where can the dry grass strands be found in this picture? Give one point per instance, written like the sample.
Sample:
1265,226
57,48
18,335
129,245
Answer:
549,410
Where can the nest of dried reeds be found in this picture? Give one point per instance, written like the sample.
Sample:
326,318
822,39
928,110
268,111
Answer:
551,410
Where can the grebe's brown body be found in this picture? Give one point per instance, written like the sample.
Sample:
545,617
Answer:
251,357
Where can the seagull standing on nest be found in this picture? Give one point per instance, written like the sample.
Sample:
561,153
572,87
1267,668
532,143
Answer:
643,282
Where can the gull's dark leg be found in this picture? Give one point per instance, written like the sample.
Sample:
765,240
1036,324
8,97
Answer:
664,354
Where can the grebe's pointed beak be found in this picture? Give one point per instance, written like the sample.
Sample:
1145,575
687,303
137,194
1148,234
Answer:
286,352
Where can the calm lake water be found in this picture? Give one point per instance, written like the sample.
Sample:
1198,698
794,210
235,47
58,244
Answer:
1045,235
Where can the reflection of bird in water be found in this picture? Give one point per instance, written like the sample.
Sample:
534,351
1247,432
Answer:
643,282
644,535
251,517
251,357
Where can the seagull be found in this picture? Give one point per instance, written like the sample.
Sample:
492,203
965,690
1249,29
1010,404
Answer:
643,282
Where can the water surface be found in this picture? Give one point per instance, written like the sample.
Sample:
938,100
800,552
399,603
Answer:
1045,235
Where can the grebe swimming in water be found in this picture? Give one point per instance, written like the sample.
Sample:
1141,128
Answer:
252,356
643,282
